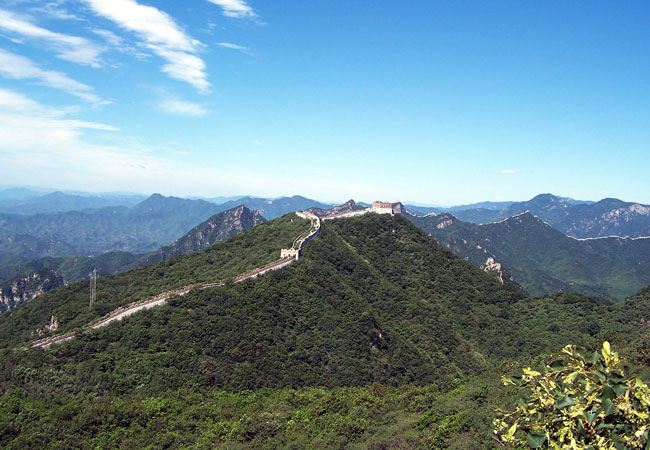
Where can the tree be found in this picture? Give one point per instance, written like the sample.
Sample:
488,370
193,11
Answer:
577,402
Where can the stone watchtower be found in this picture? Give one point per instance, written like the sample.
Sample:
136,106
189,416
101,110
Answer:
382,208
290,253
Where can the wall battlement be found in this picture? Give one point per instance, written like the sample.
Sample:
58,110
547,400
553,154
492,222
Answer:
289,253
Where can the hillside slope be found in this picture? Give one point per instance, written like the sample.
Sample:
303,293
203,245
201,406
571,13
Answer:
217,228
373,302
542,259
254,248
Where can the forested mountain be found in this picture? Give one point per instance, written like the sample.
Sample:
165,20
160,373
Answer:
146,226
272,208
17,194
150,224
217,228
60,202
372,304
608,217
542,259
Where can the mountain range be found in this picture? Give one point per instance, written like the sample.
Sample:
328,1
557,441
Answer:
146,226
27,202
313,355
217,228
607,217
544,260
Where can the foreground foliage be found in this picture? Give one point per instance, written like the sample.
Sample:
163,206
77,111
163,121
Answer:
580,400
375,416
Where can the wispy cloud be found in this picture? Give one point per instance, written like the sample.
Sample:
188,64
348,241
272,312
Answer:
13,101
231,46
38,139
175,106
28,125
71,48
21,68
161,35
508,172
235,8
119,44
42,145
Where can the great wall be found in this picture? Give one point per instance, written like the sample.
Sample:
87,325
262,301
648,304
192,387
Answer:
287,256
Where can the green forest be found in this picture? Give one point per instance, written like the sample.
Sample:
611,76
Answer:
377,337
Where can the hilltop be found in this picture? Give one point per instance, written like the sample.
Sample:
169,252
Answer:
372,303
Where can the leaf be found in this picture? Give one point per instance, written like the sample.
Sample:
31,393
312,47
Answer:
608,406
608,393
564,402
590,416
607,352
619,388
512,430
593,359
601,376
535,440
557,365
532,373
616,378
571,377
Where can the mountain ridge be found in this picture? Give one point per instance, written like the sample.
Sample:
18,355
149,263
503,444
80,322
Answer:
543,259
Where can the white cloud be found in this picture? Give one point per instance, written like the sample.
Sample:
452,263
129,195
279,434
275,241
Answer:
120,44
42,146
110,37
235,8
28,125
508,172
256,142
183,108
237,47
161,35
71,48
232,46
13,101
20,68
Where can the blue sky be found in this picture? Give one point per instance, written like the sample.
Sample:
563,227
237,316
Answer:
429,102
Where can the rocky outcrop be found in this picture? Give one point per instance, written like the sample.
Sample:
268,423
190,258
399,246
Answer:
348,206
217,228
23,289
493,267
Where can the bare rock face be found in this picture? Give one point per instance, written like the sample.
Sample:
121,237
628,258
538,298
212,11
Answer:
54,324
348,206
23,289
493,267
444,223
217,228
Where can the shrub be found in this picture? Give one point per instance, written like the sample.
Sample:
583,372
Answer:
579,401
